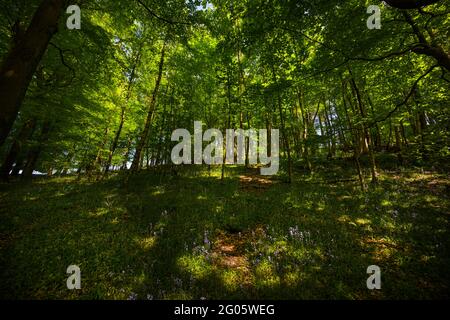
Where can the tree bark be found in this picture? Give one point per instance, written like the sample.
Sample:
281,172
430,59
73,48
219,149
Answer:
306,120
122,112
283,129
330,132
161,139
425,47
34,153
144,135
21,62
99,158
222,176
25,132
365,130
127,154
355,136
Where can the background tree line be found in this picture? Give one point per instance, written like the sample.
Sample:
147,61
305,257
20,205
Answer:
107,97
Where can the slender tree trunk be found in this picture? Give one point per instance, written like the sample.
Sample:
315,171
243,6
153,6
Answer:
388,146
25,132
296,133
228,122
144,135
35,152
123,110
398,142
20,162
403,132
115,141
283,130
99,159
365,130
322,132
341,130
247,145
22,61
422,121
127,154
159,152
313,129
378,140
330,132
355,136
269,134
305,117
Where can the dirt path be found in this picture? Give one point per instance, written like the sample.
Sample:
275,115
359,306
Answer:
254,182
229,252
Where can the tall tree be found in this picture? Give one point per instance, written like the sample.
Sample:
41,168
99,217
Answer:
151,108
21,62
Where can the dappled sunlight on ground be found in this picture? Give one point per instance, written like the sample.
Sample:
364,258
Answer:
195,236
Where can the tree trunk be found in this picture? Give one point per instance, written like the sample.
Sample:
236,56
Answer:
34,153
25,132
378,139
247,145
296,133
403,132
355,136
398,141
283,130
425,47
127,154
99,158
330,131
322,132
388,145
122,111
22,61
20,162
144,135
161,137
365,130
222,176
305,120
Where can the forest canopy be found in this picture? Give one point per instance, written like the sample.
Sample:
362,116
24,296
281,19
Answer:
109,95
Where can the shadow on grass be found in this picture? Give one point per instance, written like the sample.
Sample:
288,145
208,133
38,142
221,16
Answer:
160,237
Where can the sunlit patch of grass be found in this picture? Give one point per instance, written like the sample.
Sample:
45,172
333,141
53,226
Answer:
146,243
99,212
344,218
197,266
292,278
265,274
362,221
157,191
231,279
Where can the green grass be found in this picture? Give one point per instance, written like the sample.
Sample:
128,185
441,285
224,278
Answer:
309,240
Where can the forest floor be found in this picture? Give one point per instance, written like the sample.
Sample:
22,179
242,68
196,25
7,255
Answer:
193,236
